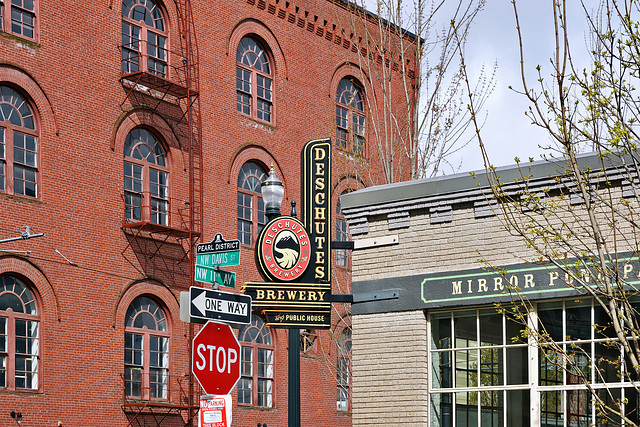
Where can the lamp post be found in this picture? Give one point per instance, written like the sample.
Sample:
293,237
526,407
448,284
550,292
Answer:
272,194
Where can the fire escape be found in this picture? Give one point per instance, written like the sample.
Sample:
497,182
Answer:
163,248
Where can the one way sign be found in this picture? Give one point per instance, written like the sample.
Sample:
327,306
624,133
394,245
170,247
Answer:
208,304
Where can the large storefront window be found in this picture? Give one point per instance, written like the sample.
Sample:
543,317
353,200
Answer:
487,371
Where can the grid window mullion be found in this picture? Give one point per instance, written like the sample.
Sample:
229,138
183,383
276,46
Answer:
23,20
133,187
157,54
245,387
4,351
130,48
26,348
3,168
158,367
159,196
134,364
265,378
245,218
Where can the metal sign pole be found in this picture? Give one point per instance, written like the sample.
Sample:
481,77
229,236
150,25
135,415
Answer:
294,377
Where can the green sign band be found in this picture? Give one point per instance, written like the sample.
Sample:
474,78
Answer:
221,259
211,275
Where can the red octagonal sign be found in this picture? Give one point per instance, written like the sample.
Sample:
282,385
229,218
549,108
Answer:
216,358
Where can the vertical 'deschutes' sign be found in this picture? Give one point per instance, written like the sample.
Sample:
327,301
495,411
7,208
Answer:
316,191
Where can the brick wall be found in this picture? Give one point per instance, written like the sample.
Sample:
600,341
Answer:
389,369
71,75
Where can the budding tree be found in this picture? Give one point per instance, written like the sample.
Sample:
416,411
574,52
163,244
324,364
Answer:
582,219
413,82
406,59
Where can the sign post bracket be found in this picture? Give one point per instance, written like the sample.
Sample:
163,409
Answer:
367,296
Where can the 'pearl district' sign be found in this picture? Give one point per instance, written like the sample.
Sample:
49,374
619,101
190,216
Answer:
294,257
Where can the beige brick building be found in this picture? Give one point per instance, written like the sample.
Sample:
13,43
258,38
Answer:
429,346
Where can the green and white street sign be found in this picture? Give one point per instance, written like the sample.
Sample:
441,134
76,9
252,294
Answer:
212,276
220,259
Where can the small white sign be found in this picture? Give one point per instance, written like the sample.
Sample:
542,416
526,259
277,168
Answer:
212,416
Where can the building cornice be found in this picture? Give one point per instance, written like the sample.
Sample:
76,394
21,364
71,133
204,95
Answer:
441,195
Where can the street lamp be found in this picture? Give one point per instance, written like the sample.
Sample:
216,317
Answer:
272,194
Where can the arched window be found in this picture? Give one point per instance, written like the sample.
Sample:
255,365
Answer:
350,117
18,145
19,336
251,215
146,178
146,351
342,235
18,17
343,365
144,38
256,381
254,82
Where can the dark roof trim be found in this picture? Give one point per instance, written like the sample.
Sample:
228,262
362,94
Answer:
462,187
403,32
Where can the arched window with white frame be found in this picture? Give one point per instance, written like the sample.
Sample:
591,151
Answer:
254,80
256,384
19,336
18,144
146,351
144,38
350,117
146,178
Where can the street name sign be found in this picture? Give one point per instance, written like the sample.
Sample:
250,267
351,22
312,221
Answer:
220,259
213,275
215,361
209,304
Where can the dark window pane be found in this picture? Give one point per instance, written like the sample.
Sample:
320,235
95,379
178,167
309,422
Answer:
551,322
608,362
518,408
441,331
517,362
579,324
11,301
490,329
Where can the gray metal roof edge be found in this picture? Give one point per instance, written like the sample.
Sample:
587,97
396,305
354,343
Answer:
461,183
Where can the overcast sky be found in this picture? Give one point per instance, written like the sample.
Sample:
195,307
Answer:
507,132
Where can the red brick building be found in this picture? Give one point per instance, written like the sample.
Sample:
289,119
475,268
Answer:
131,130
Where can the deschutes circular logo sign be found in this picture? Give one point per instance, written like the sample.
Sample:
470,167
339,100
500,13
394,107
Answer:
284,252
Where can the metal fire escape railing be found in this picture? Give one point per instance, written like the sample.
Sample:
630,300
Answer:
180,85
190,47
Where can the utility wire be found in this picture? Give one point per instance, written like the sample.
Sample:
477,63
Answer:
82,268
26,234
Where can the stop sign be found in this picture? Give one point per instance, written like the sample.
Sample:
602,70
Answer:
216,358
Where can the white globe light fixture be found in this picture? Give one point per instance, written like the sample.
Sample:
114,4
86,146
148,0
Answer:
272,194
